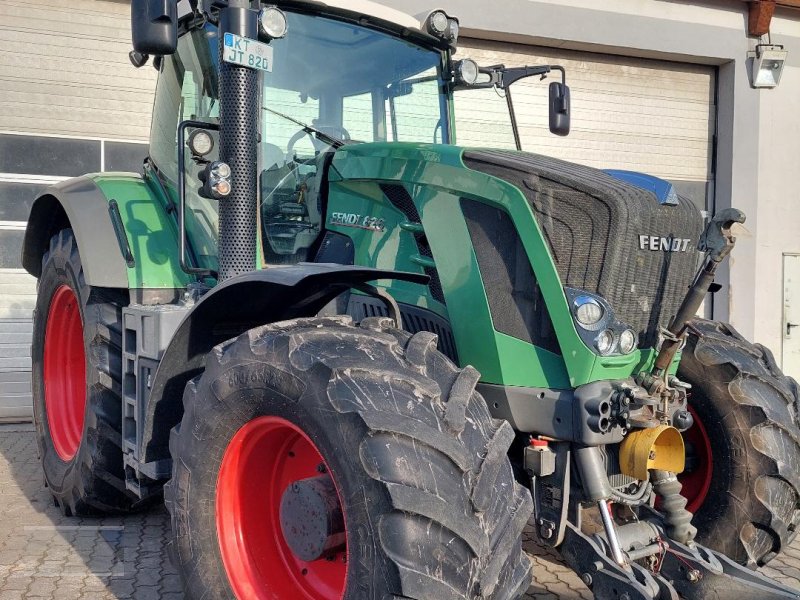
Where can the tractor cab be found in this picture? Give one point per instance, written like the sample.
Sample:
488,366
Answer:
328,80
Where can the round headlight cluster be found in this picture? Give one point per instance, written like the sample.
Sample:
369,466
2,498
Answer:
588,311
627,341
604,342
598,327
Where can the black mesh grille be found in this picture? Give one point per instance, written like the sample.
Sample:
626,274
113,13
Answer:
237,146
515,301
592,223
401,199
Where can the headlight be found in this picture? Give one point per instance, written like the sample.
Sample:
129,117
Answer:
604,342
627,341
272,22
588,311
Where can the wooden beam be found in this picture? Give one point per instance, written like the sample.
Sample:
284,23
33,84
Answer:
781,3
759,17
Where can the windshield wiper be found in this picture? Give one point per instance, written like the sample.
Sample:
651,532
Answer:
332,141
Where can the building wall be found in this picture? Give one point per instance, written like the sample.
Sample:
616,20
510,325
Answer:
64,69
70,103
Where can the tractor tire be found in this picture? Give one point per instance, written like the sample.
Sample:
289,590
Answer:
744,481
422,483
77,371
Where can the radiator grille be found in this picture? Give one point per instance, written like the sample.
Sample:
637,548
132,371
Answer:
592,223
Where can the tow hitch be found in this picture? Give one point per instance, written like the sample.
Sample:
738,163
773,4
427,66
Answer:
674,571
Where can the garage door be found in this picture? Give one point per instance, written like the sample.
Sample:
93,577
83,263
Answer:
72,105
635,114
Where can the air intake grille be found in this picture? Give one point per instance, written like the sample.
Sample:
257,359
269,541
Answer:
401,199
592,223
515,301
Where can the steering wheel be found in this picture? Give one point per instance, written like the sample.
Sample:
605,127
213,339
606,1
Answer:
336,132
296,138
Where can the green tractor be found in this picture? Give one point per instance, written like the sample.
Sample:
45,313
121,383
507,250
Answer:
357,359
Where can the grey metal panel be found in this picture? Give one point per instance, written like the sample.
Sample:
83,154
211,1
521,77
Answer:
87,211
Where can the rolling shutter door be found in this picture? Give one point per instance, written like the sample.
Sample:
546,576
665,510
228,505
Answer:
627,113
71,103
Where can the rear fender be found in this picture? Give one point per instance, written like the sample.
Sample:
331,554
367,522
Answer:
123,229
230,309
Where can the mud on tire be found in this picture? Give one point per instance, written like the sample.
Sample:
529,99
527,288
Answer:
749,410
431,507
93,481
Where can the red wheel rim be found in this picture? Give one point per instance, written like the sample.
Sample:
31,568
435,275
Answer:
697,482
64,373
264,457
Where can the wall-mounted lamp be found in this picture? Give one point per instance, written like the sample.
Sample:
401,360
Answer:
768,65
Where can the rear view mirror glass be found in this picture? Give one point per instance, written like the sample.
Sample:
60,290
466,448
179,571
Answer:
559,108
154,26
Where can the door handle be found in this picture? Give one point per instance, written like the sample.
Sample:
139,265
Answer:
789,328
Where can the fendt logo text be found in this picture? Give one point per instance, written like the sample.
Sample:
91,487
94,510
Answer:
667,244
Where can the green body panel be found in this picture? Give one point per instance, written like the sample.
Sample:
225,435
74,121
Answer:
152,233
436,178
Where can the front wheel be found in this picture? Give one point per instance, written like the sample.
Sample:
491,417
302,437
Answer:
743,451
321,460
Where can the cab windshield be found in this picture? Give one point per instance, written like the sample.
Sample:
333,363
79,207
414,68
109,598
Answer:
352,83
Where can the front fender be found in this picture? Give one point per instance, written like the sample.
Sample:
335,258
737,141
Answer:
230,309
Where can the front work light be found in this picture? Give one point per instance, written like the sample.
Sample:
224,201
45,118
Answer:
768,66
604,342
627,341
200,143
272,22
466,71
437,23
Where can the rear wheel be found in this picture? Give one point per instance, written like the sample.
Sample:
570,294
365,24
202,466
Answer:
320,460
77,369
743,475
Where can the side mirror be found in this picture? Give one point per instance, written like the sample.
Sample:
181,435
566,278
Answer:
154,26
559,108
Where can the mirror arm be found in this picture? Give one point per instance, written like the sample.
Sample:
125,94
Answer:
513,115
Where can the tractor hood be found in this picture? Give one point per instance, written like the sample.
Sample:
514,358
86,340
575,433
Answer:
549,229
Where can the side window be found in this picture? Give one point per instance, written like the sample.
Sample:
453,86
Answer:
409,113
181,94
358,119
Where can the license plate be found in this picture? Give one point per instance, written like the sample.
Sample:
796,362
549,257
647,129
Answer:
246,52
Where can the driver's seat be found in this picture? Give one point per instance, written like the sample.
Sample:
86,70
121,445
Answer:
275,171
